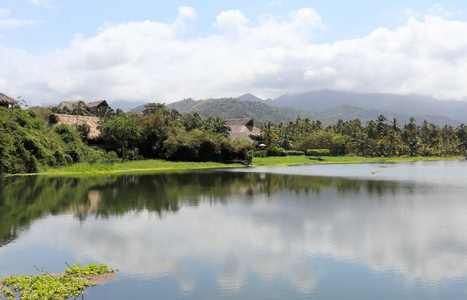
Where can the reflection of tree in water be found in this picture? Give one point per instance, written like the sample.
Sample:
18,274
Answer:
24,199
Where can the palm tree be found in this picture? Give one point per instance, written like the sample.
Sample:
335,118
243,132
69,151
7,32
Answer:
268,134
220,126
461,133
104,113
381,127
79,109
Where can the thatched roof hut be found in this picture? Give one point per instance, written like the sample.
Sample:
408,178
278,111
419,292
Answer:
72,120
6,101
96,104
70,105
242,128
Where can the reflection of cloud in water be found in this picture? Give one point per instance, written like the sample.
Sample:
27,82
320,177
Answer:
420,234
230,277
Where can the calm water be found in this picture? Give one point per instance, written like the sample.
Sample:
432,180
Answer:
366,231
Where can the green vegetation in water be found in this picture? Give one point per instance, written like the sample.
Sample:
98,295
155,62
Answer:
72,284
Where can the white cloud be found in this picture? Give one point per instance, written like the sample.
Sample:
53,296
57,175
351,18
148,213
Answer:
4,12
438,9
268,56
232,22
7,22
187,13
14,23
44,3
275,3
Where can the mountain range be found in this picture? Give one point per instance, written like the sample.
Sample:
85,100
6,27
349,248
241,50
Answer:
329,106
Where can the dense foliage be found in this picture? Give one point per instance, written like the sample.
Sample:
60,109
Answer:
230,108
26,144
378,137
164,133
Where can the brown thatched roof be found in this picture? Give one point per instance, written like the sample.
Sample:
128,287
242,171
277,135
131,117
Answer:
99,103
242,128
71,104
5,100
71,120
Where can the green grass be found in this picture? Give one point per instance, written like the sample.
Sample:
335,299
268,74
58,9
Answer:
132,166
283,161
163,165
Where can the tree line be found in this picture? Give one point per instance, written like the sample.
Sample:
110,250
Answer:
158,132
380,137
26,144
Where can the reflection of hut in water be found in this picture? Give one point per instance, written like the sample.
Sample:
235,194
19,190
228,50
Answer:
242,128
95,198
6,101
76,121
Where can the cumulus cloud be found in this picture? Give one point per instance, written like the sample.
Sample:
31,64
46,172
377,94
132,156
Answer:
268,56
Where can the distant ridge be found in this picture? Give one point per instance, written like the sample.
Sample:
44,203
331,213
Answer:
408,105
329,106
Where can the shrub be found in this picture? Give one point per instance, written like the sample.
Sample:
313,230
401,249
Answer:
294,152
318,152
317,140
275,151
337,144
260,153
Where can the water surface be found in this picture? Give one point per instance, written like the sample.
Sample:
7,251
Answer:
361,231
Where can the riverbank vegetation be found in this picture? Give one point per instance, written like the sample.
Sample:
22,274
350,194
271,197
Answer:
268,161
159,135
71,284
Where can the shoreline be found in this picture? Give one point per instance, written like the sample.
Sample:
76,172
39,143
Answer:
148,166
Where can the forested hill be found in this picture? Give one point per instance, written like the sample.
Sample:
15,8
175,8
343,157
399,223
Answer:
228,108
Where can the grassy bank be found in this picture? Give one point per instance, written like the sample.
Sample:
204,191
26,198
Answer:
132,166
283,161
163,165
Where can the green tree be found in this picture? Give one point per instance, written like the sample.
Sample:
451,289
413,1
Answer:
121,130
152,108
268,133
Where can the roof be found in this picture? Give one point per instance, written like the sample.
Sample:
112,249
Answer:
4,99
70,104
70,120
242,121
97,103
242,128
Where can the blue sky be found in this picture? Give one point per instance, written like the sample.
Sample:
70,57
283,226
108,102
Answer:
168,50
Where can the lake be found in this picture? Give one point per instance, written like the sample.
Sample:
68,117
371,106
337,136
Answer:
357,231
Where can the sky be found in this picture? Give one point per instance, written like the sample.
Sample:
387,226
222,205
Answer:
168,50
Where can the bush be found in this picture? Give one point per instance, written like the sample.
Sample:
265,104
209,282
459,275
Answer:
294,152
337,144
318,152
198,145
26,144
275,151
317,140
260,153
